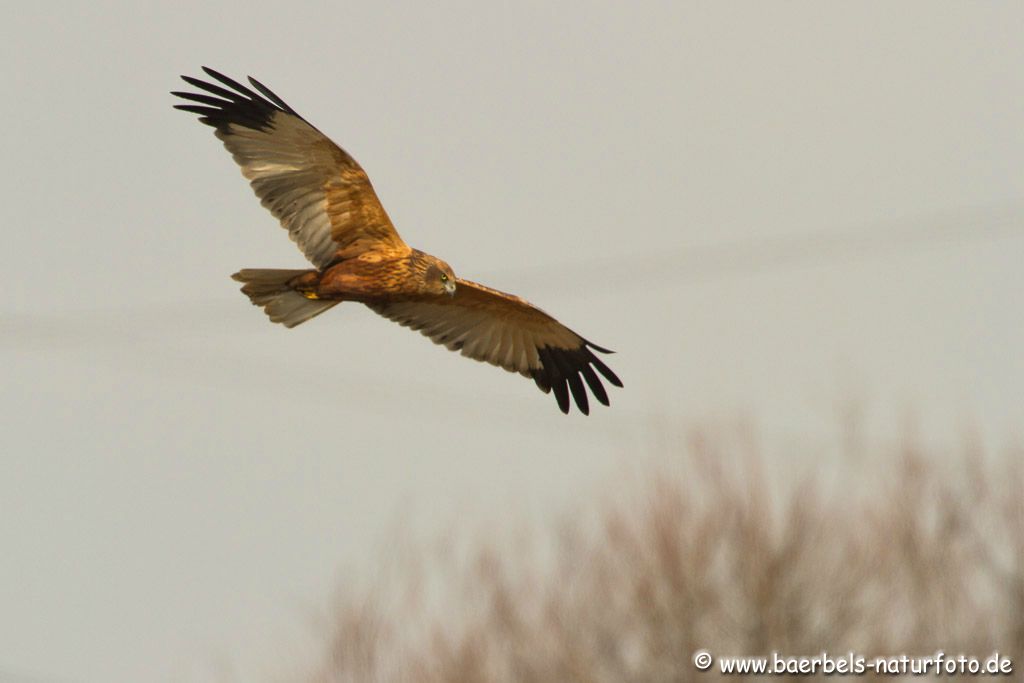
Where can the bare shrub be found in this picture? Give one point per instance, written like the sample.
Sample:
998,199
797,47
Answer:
910,553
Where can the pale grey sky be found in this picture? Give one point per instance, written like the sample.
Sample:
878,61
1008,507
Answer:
766,209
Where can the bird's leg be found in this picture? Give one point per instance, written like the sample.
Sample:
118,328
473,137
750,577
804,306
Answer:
306,284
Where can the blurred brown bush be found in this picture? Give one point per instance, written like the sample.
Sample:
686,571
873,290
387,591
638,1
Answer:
907,552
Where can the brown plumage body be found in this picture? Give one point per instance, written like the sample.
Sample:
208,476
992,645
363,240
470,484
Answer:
374,277
326,202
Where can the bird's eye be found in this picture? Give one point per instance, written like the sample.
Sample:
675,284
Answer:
444,278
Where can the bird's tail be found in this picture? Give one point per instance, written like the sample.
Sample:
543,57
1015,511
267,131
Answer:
272,289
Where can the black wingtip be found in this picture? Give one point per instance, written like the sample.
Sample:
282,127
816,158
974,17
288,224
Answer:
231,103
605,370
579,394
595,385
213,73
271,95
569,372
562,396
597,348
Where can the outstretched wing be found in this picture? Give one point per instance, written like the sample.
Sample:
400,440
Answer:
318,192
504,330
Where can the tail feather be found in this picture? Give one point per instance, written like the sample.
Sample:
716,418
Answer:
269,289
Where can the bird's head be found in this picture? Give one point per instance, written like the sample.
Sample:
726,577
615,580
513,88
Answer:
439,278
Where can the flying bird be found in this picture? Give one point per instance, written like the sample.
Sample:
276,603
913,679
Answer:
325,201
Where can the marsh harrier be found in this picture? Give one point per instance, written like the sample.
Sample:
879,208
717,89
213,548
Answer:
325,201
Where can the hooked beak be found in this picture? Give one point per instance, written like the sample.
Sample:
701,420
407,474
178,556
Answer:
449,287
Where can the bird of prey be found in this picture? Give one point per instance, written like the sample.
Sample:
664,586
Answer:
325,201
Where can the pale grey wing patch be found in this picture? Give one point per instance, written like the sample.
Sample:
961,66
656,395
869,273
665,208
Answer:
288,171
473,333
465,334
450,328
506,353
527,353
302,212
479,343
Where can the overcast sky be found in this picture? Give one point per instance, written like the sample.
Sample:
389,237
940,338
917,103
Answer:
767,209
